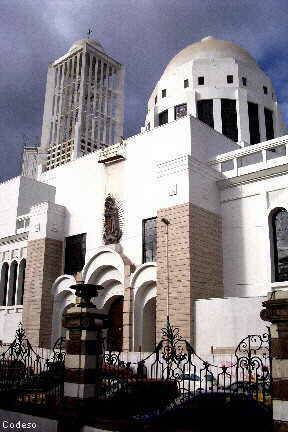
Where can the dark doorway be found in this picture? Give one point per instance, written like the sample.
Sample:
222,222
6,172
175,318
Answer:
115,332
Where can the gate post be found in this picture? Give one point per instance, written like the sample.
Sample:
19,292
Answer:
83,360
276,311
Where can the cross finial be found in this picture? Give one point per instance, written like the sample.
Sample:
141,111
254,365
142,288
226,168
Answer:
89,33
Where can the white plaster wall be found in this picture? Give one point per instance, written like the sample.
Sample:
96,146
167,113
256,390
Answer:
10,317
16,198
244,247
80,188
33,192
223,323
147,189
82,185
246,242
46,220
9,193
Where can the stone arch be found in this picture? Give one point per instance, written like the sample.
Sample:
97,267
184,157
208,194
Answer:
64,297
21,282
143,284
12,283
105,268
4,283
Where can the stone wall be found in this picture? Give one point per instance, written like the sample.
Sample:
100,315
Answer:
195,264
44,265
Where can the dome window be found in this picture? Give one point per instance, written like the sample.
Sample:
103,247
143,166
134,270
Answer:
254,127
229,119
229,79
205,111
265,90
201,80
164,93
156,99
244,81
186,83
268,114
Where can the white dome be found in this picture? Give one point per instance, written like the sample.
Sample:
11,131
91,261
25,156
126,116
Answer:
209,48
80,43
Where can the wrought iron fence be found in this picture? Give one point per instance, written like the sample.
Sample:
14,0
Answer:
171,374
174,372
27,378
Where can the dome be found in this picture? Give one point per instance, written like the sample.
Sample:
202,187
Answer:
209,48
80,43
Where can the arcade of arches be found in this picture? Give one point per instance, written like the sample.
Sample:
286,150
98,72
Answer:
12,280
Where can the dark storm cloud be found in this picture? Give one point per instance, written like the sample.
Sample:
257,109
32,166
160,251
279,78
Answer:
142,34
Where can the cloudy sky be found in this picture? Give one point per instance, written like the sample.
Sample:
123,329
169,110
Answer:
142,34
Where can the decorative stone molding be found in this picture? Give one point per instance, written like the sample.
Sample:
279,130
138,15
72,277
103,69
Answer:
113,153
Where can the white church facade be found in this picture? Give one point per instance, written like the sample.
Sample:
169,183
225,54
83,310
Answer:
188,218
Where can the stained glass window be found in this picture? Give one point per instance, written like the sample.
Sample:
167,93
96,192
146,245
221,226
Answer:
280,244
149,239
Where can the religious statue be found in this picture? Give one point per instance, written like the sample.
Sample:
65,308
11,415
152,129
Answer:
112,231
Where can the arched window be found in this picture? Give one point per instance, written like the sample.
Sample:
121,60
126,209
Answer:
4,284
12,284
279,224
21,282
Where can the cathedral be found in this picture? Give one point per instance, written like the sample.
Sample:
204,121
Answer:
187,219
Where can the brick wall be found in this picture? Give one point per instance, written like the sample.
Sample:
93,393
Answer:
44,265
195,264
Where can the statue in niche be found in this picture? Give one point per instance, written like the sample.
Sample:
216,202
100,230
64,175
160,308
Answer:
112,231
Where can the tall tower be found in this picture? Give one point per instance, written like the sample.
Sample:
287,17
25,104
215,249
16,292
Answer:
83,108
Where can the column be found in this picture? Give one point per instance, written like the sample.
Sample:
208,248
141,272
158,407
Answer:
83,360
217,115
83,355
242,116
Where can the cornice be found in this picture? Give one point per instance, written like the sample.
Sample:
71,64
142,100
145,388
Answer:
263,174
14,238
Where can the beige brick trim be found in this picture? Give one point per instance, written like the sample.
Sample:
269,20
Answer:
195,264
44,265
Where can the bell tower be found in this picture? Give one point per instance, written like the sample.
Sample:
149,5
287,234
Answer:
83,108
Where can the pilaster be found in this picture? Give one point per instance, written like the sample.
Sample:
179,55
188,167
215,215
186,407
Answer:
189,264
43,266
